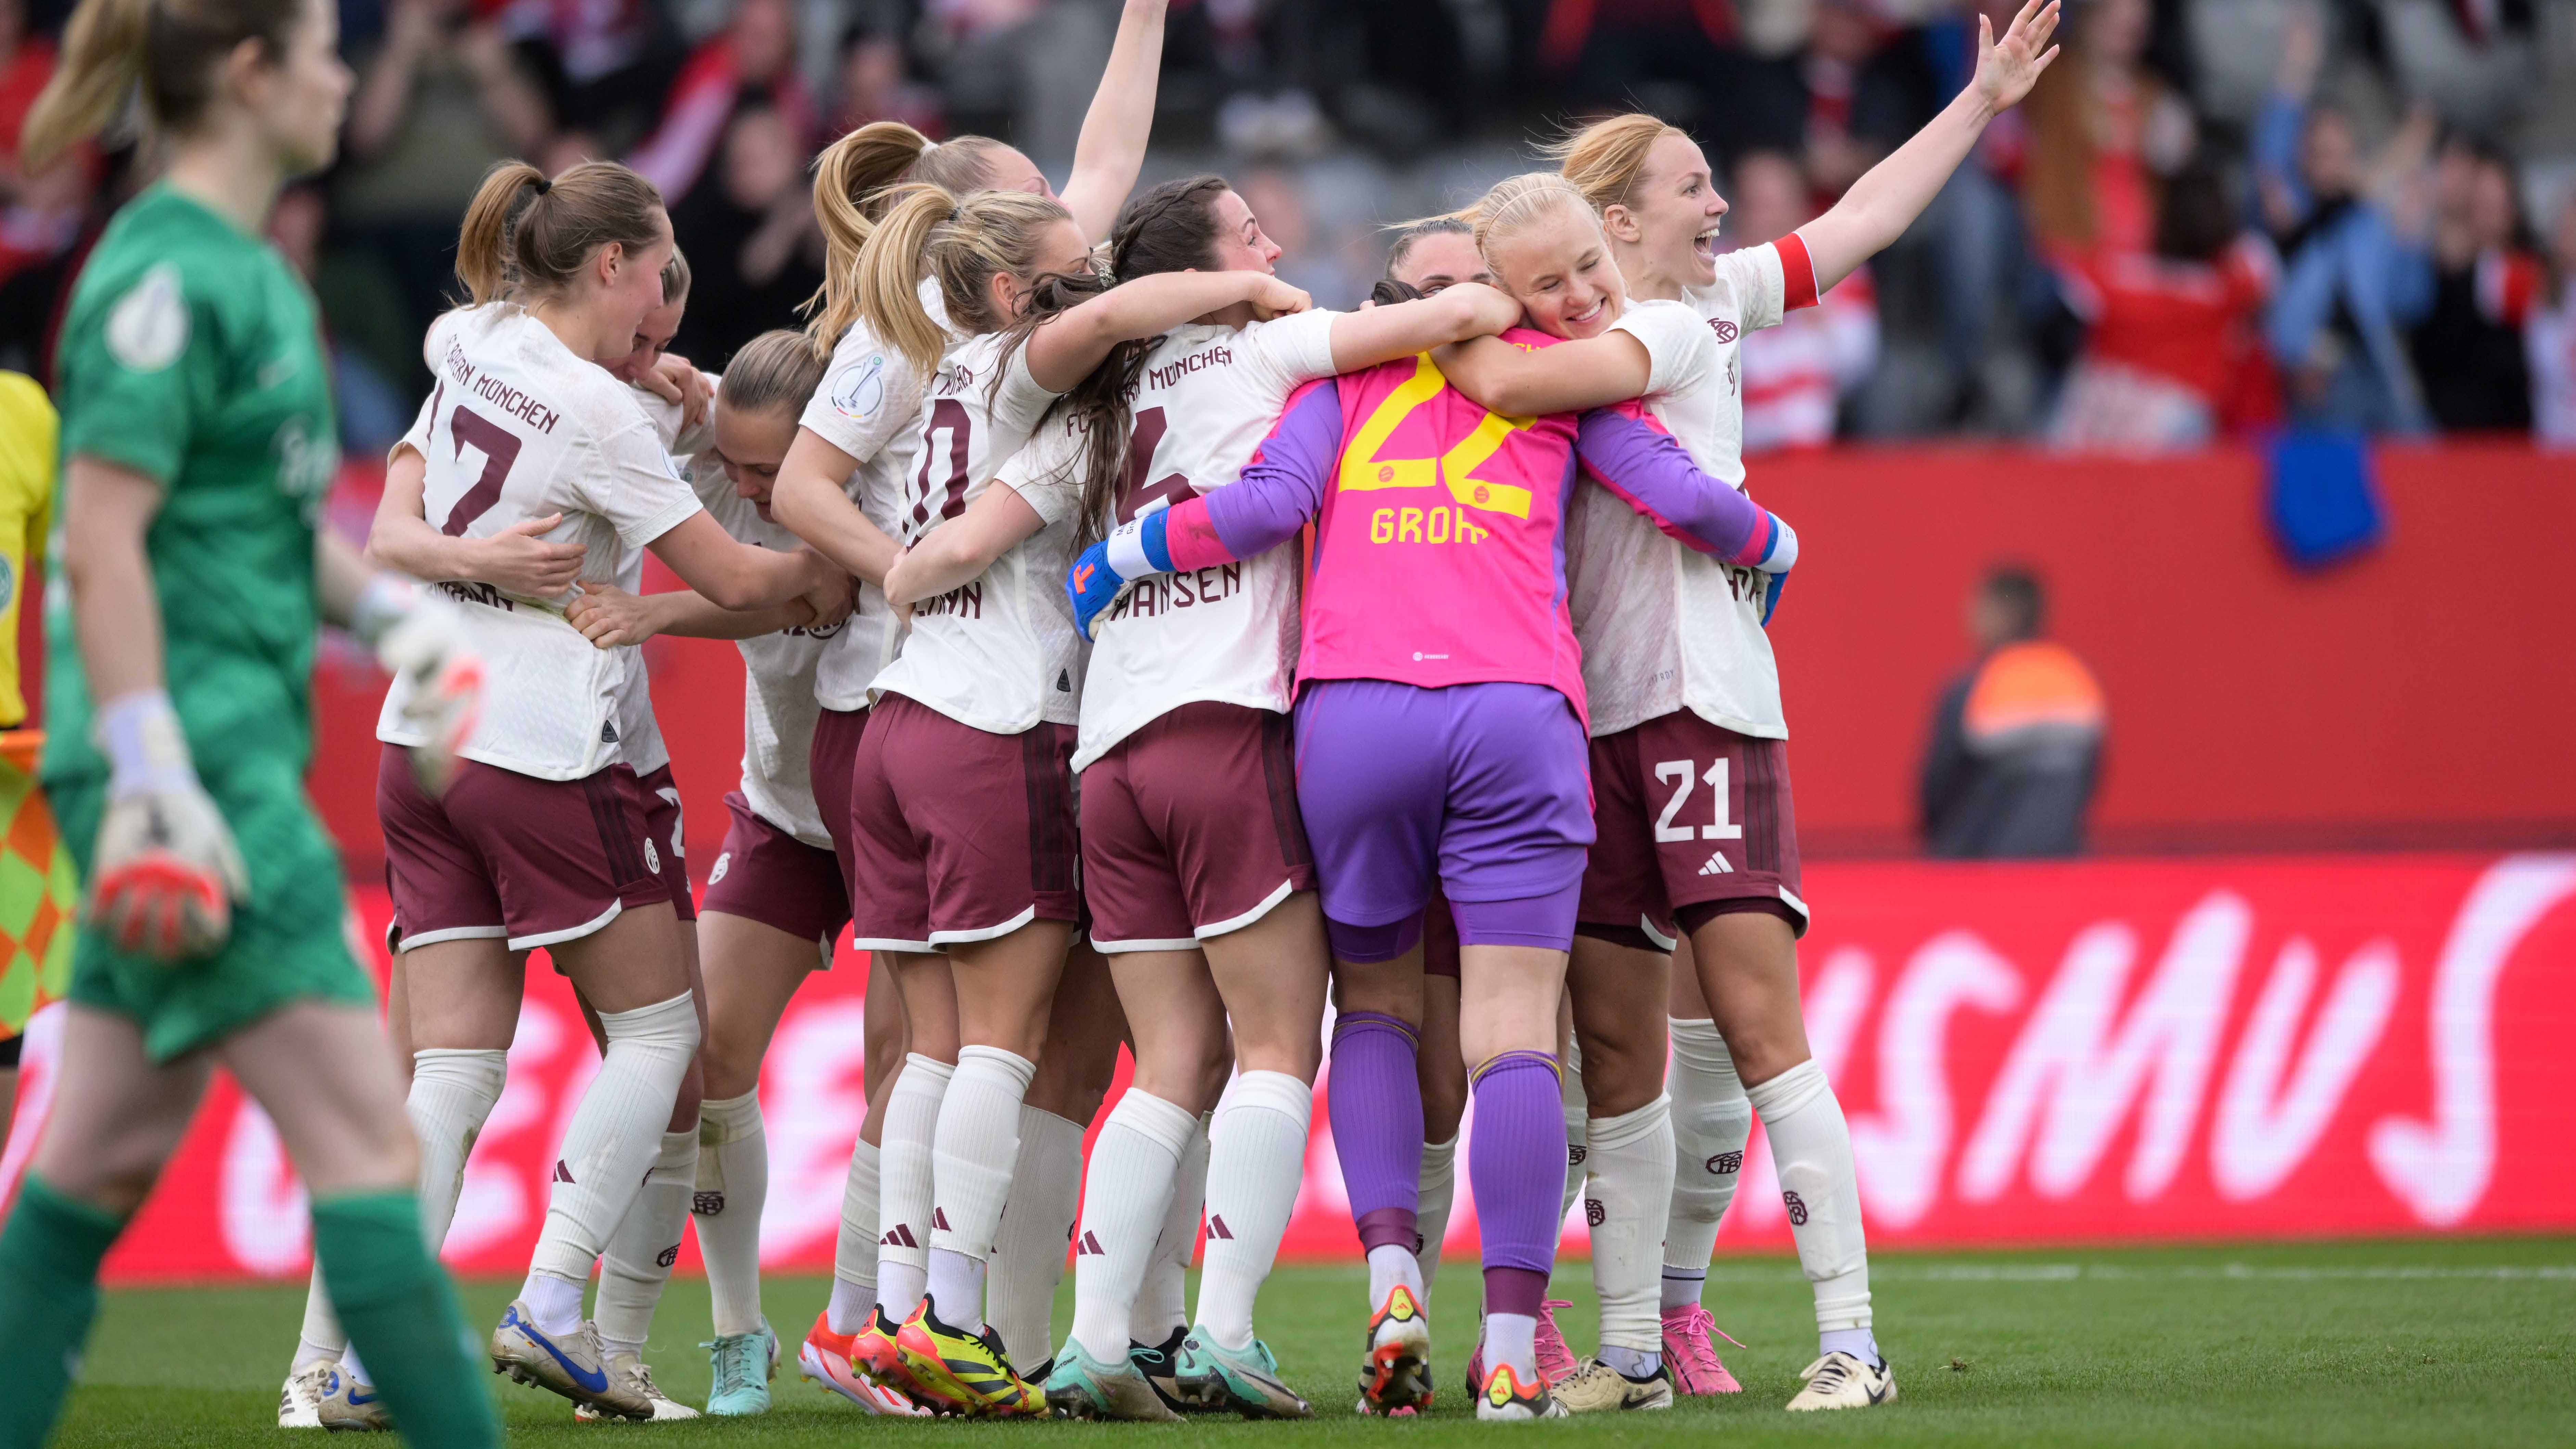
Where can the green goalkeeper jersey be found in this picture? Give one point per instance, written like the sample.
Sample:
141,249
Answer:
192,354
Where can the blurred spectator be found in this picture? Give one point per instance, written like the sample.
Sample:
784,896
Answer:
2352,280
1307,257
872,82
2016,739
2550,338
749,233
1795,374
1024,69
604,65
1866,89
371,413
2104,130
755,55
41,215
2486,276
440,98
2172,358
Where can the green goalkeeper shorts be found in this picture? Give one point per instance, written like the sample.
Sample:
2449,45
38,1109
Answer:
289,939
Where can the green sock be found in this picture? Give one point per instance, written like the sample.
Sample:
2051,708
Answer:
402,1318
49,1257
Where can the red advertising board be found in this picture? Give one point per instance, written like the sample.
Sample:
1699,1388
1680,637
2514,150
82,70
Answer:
2090,1052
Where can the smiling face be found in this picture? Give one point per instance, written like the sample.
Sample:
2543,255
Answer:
1441,260
750,446
1557,265
1240,244
1671,214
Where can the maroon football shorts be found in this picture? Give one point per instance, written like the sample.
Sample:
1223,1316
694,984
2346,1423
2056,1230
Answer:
958,835
767,875
834,753
1686,814
1190,828
669,853
509,856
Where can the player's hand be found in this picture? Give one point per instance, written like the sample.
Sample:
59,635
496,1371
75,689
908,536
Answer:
1779,555
2008,68
518,560
833,596
424,641
1495,309
675,381
1131,552
1773,585
1272,297
610,617
165,872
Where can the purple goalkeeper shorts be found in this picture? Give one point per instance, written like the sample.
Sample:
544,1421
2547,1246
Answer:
1481,791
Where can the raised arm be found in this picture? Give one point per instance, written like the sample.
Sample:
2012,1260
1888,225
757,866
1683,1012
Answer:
1365,338
1111,150
1063,350
1528,382
1278,491
517,560
1654,475
1887,198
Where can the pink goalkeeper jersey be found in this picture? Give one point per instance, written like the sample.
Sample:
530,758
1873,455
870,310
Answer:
1439,551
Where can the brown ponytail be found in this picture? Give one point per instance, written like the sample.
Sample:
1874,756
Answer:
525,235
851,179
175,49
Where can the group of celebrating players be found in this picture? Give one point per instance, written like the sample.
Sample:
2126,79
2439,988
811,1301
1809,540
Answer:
1018,508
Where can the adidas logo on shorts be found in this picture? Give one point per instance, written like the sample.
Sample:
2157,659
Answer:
1717,865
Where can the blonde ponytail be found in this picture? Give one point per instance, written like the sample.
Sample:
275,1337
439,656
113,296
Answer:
851,181
1604,159
101,61
1516,201
886,275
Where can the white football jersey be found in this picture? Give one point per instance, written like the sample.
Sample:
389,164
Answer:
1208,397
869,406
517,428
778,708
1664,627
995,653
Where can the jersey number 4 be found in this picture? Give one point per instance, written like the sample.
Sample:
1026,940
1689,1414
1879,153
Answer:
1138,496
499,447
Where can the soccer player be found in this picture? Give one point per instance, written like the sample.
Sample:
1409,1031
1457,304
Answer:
544,840
962,802
37,966
841,490
1687,690
1194,859
199,441
776,899
1439,737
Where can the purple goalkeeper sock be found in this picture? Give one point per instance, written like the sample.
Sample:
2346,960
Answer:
1376,1105
1516,1162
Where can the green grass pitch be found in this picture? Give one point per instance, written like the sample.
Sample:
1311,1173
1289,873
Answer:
2449,1343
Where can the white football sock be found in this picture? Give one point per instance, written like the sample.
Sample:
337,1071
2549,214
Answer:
1123,1206
1162,1305
356,1369
854,1253
1711,1119
1578,1116
1028,1247
615,1134
1631,1193
555,1303
637,1263
903,1184
731,1191
971,1156
322,1338
452,1092
1256,1164
1439,1195
1512,1339
1391,1267
1811,1149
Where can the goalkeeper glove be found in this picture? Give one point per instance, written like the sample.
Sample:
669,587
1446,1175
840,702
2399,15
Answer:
165,872
1106,568
421,639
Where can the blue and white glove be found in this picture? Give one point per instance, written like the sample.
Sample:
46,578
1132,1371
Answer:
1779,555
1106,568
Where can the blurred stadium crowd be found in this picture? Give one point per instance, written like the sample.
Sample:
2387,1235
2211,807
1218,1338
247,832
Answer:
2215,215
